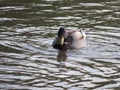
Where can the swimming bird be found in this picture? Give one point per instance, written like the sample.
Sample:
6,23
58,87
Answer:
69,39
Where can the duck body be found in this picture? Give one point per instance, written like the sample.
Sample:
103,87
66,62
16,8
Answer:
69,39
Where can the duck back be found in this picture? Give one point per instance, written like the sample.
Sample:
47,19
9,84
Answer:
78,40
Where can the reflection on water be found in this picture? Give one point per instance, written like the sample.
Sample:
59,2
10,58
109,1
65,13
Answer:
61,56
28,61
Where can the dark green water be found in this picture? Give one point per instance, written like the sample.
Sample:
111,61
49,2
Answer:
27,60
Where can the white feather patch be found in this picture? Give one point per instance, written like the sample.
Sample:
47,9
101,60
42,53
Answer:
78,41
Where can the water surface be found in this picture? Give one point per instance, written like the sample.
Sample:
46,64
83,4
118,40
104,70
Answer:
28,61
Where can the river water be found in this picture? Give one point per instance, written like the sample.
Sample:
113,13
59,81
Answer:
28,61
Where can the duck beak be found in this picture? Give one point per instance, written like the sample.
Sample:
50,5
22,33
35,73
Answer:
62,40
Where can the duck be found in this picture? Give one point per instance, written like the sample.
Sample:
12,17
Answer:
69,39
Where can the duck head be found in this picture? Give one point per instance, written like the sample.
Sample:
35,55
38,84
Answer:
62,34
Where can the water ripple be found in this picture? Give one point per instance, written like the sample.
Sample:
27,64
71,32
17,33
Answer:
28,61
